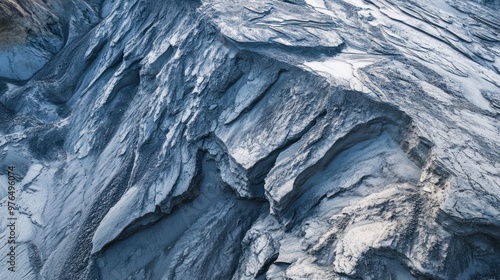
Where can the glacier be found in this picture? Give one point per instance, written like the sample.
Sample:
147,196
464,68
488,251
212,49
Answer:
230,139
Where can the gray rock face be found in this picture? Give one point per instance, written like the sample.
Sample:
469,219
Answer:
311,139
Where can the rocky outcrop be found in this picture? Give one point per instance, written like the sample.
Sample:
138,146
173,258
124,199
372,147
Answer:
258,140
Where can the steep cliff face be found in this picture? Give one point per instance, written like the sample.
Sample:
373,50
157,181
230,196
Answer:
254,139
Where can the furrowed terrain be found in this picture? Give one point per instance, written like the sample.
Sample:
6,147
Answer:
221,139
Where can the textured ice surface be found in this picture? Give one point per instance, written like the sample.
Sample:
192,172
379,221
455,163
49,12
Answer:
312,139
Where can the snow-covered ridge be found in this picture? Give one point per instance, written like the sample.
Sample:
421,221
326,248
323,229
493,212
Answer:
259,139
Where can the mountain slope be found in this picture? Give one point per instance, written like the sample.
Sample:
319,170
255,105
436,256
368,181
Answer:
272,139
